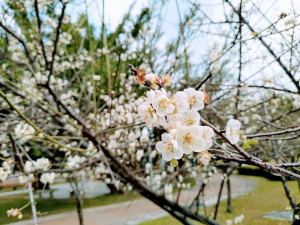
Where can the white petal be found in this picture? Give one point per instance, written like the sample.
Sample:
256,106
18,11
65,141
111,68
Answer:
160,146
166,137
208,144
170,108
199,145
200,95
189,91
197,131
208,132
178,153
187,149
160,121
234,124
198,106
234,139
143,108
180,95
167,155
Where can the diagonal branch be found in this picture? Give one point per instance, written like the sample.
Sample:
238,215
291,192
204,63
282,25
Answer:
36,7
56,40
259,163
27,52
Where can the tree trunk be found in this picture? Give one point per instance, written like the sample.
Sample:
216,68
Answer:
79,201
229,208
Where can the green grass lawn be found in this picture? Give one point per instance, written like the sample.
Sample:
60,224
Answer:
52,206
268,196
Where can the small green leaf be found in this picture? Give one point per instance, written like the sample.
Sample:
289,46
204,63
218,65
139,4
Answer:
246,145
36,153
252,142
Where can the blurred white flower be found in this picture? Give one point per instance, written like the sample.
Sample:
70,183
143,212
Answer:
139,154
29,166
24,132
24,178
233,131
15,212
229,222
238,219
47,178
207,135
42,163
3,174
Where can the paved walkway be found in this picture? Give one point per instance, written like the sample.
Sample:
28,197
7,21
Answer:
140,210
63,191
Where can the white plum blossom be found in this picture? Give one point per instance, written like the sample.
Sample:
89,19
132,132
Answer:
168,147
139,154
74,161
3,174
195,98
163,105
42,163
233,131
190,139
29,166
147,113
205,158
173,124
190,117
47,178
207,135
24,178
166,79
161,121
24,132
6,166
15,212
180,102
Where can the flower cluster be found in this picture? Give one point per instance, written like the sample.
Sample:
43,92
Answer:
47,178
237,220
178,115
150,79
15,212
5,169
41,163
24,178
